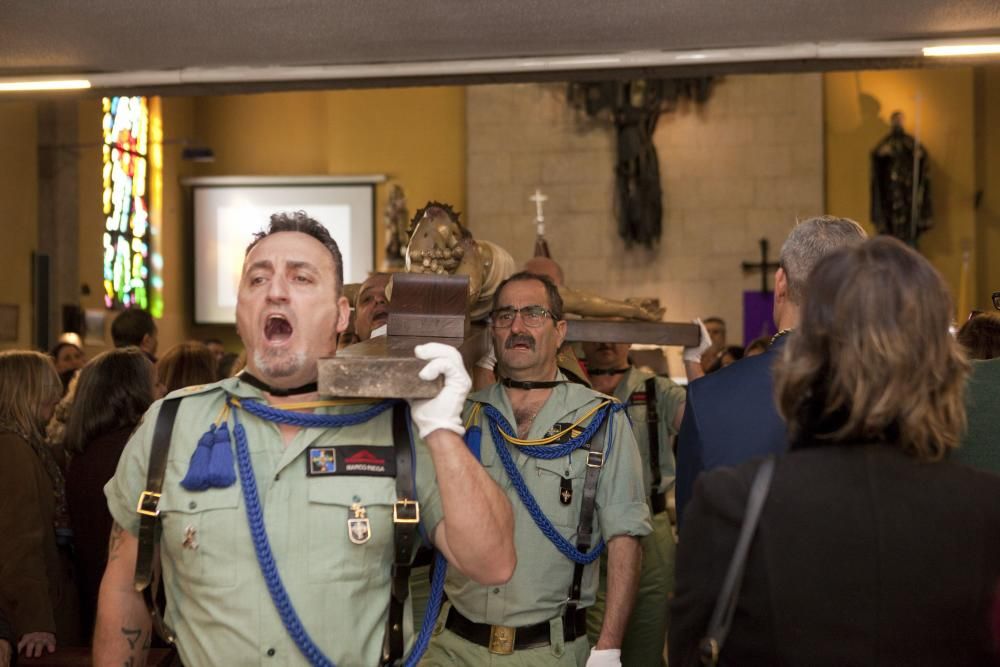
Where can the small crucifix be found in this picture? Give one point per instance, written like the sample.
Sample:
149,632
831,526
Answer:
541,245
763,266
539,200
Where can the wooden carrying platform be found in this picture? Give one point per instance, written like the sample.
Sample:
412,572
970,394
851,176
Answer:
422,309
641,333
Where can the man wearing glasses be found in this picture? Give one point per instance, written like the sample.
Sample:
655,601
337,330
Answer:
566,457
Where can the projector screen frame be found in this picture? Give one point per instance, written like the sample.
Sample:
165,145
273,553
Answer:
193,184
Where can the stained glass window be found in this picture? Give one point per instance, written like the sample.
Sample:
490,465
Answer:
126,238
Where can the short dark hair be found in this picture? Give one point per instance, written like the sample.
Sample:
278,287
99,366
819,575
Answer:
113,391
555,300
299,221
980,336
715,318
131,326
186,364
54,353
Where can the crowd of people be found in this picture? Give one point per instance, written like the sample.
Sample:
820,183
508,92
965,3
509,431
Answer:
826,496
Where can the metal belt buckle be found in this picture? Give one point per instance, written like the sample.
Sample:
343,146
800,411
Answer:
406,511
147,505
595,459
502,639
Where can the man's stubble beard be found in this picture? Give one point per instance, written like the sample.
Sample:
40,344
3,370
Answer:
279,363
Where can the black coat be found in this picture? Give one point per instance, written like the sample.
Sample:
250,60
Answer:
863,556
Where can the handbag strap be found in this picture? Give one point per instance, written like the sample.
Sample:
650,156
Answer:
722,616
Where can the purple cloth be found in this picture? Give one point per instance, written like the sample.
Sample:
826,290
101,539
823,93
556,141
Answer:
758,318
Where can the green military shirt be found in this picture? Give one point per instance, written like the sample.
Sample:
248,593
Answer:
217,600
538,590
670,396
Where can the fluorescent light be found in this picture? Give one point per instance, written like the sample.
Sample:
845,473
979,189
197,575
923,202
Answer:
959,50
61,84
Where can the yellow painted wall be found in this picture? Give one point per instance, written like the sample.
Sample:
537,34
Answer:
857,107
18,210
988,172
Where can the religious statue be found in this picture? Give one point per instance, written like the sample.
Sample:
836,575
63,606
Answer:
900,188
635,107
440,244
396,219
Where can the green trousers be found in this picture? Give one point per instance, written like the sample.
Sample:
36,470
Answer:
647,626
449,650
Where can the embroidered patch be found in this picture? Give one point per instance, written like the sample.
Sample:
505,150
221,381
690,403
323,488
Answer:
359,460
322,461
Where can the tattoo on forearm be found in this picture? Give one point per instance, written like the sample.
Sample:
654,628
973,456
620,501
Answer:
132,636
117,535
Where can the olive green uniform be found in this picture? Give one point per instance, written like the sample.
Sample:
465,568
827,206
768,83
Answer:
647,627
538,590
217,600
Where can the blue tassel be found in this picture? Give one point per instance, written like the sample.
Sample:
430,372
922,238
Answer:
473,440
221,469
211,465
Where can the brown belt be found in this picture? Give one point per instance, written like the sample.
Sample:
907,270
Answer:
504,640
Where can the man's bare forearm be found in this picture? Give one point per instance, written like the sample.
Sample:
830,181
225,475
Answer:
478,531
624,564
124,629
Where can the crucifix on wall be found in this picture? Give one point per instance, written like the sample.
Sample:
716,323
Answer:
758,307
634,108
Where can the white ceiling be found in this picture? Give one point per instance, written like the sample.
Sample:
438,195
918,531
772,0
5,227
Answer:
102,36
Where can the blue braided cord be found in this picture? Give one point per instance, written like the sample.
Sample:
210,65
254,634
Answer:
265,558
564,546
550,451
431,613
310,420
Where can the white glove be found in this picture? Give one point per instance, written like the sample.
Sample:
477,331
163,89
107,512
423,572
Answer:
609,657
445,409
694,353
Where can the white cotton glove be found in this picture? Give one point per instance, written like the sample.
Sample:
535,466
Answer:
693,354
445,409
609,657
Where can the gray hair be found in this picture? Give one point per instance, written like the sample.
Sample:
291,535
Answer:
810,241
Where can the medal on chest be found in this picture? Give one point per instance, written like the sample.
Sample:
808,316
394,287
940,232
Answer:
359,528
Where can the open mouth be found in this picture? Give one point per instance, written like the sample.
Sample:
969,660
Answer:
380,316
277,329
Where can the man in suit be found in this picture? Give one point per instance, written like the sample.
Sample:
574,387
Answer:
730,415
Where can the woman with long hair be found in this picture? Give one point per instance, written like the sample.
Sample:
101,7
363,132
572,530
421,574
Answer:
871,548
112,393
36,583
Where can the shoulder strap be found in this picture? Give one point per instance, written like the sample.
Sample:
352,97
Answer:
653,428
405,519
149,514
722,616
585,529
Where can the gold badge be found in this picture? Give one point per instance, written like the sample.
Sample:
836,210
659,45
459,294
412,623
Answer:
359,529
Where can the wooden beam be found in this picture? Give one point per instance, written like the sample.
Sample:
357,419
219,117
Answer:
647,333
385,367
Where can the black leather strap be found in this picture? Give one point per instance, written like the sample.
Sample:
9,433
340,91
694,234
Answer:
529,636
406,520
149,515
653,428
710,646
585,529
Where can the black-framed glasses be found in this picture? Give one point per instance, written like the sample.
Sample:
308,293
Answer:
996,300
532,316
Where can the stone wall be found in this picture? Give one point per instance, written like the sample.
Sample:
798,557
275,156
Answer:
741,167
